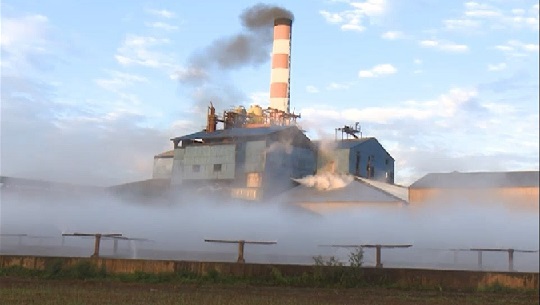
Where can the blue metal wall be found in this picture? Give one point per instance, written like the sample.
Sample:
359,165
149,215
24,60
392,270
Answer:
382,162
352,157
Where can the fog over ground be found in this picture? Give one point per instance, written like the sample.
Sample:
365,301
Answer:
178,227
103,124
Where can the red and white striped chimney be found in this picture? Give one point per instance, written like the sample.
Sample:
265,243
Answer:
281,64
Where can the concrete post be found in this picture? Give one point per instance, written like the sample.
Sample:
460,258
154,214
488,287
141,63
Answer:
115,246
96,245
510,259
378,256
480,260
241,244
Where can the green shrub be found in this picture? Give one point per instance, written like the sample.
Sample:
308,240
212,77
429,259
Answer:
356,257
83,270
54,268
212,275
277,277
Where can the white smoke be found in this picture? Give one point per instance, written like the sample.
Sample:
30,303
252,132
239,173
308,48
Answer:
326,181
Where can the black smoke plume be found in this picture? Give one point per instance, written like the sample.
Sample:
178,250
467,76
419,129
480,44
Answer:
249,47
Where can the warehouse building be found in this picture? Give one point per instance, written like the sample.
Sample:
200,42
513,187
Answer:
357,193
163,164
515,188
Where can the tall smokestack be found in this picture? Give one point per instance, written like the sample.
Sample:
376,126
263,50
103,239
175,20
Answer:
281,64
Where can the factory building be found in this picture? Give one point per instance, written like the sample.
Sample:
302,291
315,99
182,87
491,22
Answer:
163,165
519,189
245,162
259,152
364,157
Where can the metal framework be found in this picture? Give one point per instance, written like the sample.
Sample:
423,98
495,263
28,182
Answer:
97,240
349,131
241,243
481,250
377,247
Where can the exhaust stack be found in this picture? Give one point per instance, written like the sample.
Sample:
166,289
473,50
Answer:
281,63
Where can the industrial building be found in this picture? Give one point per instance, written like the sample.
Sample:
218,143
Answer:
363,157
259,152
246,162
515,188
163,164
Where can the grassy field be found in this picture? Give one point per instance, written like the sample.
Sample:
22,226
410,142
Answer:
23,290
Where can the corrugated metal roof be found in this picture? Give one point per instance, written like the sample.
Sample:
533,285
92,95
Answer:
478,180
398,191
166,154
343,144
235,133
356,192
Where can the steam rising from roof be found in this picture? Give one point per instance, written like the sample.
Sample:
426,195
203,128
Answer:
326,181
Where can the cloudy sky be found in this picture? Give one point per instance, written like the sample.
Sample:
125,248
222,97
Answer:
91,90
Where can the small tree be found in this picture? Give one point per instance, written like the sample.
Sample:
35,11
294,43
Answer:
356,257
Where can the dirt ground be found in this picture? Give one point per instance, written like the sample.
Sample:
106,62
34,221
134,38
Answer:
51,292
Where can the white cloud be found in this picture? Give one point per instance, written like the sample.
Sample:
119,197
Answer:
465,118
516,48
370,7
352,27
476,15
162,13
474,9
444,107
442,45
353,19
119,80
504,48
337,86
378,70
332,17
19,31
261,98
417,61
392,35
26,43
461,24
497,67
162,26
312,89
140,50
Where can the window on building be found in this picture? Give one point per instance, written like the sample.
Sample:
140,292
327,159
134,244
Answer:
217,167
196,168
387,161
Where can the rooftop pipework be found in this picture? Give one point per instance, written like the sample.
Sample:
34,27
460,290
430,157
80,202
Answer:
253,117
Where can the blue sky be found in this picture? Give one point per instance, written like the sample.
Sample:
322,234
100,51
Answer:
91,90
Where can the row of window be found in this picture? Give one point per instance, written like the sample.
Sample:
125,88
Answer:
196,168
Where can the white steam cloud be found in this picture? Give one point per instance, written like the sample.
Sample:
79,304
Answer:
326,181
